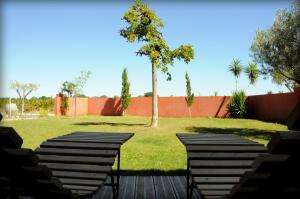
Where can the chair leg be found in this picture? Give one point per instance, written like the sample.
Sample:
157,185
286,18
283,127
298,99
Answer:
113,184
191,188
187,178
118,172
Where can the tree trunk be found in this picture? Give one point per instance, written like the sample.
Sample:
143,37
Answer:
235,84
154,120
190,112
23,105
124,112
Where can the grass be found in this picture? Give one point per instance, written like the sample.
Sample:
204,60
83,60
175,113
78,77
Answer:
150,149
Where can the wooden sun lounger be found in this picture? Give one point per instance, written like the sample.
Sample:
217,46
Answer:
70,166
229,166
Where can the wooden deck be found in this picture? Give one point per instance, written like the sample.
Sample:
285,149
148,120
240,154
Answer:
149,187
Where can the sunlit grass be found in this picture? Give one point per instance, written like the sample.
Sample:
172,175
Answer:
149,149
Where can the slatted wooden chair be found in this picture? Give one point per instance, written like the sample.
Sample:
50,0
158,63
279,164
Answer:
70,166
217,161
243,169
275,175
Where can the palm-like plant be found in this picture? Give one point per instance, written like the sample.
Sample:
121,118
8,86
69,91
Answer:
236,68
252,72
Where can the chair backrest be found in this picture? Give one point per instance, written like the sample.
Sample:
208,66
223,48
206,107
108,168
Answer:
20,174
275,175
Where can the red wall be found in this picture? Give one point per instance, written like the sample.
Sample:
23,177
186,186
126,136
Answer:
273,107
142,106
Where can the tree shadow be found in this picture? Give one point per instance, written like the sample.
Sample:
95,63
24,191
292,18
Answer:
108,123
245,132
112,107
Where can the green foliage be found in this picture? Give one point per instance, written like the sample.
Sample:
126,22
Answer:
103,96
252,72
32,104
148,94
68,88
236,68
277,49
189,95
144,27
64,105
125,93
237,106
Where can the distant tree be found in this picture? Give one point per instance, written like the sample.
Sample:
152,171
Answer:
148,94
252,72
216,93
125,93
68,88
23,91
189,95
277,49
144,27
103,96
236,68
80,82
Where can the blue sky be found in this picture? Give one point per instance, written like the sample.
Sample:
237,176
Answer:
49,43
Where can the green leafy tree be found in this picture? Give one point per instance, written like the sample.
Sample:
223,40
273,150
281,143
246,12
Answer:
68,88
23,91
236,68
125,93
144,26
252,72
277,49
189,95
148,94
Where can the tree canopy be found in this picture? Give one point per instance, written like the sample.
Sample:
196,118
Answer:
144,26
125,93
252,72
277,48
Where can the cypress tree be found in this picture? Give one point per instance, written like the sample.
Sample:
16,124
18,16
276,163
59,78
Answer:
189,95
125,94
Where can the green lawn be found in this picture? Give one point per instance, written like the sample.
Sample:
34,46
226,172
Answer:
149,149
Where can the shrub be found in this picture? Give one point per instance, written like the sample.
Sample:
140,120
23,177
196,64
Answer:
237,106
64,105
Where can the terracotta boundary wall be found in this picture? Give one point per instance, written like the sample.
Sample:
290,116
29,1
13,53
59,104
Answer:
271,107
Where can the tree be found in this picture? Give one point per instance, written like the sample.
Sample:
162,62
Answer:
23,91
144,27
125,94
189,95
236,68
69,88
252,72
79,83
148,94
277,49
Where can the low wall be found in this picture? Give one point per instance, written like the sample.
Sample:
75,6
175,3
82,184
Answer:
271,107
142,106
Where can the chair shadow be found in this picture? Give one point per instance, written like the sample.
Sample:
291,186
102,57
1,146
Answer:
245,132
153,172
108,123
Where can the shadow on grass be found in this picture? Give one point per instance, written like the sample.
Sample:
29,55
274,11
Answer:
107,123
246,132
178,172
